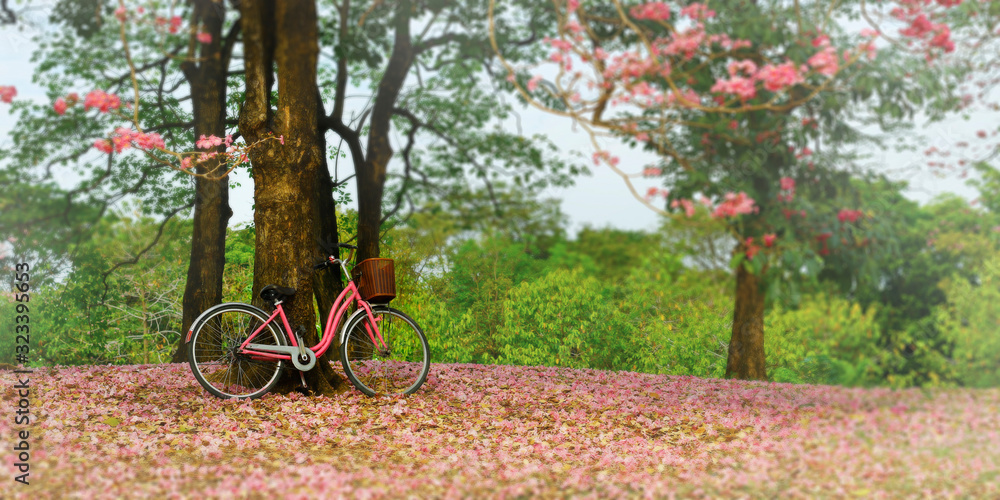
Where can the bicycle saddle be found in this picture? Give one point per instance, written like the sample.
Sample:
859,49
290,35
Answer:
274,292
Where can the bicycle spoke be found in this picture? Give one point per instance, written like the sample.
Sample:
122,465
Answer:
219,364
398,365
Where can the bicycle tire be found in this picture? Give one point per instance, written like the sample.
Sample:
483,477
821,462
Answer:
399,371
212,356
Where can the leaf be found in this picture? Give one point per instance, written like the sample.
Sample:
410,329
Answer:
112,421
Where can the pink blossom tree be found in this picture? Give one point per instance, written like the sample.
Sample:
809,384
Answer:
748,106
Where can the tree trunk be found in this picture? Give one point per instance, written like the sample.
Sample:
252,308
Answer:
371,178
285,174
746,346
327,284
211,205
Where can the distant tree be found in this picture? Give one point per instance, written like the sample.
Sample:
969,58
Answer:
750,107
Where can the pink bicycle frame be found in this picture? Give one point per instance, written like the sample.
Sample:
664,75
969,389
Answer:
349,295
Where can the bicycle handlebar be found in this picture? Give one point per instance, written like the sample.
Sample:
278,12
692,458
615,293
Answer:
330,260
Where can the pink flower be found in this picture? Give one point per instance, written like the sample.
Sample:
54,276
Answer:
7,93
122,139
787,183
849,215
919,27
735,204
687,204
103,145
821,41
208,142
101,100
697,11
281,139
869,49
822,237
981,134
60,106
652,171
653,11
533,83
149,141
686,42
185,163
121,13
825,62
687,98
769,239
942,38
745,66
559,44
779,77
175,23
744,88
204,37
572,5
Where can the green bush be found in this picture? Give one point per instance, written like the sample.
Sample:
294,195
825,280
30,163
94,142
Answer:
566,319
827,340
969,321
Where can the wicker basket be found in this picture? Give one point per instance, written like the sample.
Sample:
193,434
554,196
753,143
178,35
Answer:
377,280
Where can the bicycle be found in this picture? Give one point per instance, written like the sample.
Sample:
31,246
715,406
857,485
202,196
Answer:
237,350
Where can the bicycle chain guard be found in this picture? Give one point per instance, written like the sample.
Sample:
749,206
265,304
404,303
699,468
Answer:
292,352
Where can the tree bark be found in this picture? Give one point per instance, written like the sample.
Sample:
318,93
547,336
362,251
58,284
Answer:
285,172
211,206
746,346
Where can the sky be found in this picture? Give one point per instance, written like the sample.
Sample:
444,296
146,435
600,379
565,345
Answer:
599,200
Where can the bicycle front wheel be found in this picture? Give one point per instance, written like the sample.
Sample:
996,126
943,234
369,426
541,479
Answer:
215,358
399,366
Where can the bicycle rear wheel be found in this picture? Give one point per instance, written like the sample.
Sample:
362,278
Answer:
216,362
399,367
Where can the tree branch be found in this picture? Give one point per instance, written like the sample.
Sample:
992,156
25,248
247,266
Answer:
134,260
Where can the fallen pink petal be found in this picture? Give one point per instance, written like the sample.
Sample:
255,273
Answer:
506,432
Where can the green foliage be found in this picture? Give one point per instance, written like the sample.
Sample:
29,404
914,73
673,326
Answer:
565,319
237,276
828,340
969,321
132,315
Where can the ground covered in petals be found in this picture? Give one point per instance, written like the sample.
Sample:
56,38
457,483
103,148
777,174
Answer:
501,431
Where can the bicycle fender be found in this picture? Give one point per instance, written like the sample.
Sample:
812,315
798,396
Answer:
210,310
